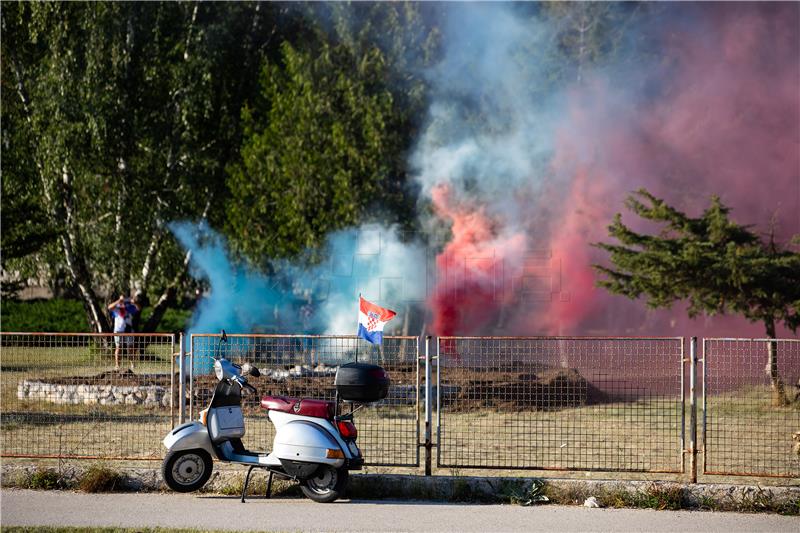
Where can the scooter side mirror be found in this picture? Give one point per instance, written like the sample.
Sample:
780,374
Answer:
250,370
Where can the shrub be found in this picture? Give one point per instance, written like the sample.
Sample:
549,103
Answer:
173,320
660,497
67,316
100,478
45,479
56,316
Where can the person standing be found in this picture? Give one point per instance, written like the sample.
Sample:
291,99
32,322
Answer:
122,310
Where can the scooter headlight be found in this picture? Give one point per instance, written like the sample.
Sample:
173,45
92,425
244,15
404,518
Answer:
224,369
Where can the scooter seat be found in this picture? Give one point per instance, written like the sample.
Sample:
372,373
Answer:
299,406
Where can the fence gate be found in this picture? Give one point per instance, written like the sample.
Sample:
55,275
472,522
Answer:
561,403
62,396
751,407
304,366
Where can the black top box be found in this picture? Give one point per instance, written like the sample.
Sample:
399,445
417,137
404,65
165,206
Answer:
361,382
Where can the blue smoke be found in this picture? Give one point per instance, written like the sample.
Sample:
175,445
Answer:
317,299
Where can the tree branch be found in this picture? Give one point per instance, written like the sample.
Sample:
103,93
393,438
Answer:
167,297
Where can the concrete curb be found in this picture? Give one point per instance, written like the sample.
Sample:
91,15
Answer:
656,494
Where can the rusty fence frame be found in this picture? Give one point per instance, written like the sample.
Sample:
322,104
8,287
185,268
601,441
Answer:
343,345
428,405
679,402
711,376
96,417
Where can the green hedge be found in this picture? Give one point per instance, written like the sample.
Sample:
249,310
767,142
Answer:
68,316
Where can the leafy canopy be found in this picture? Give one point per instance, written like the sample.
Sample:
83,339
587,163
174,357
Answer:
320,146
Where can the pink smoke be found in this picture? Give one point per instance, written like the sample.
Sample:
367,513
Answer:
726,121
470,291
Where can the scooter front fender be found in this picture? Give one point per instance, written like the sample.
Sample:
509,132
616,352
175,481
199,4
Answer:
189,436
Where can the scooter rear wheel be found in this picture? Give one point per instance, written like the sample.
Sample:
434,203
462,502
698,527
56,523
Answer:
186,470
327,484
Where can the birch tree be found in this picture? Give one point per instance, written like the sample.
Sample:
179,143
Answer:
127,114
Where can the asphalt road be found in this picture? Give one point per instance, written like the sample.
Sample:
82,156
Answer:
37,508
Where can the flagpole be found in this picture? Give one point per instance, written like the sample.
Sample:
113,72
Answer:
359,308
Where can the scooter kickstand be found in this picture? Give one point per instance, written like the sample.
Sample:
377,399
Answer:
269,486
246,482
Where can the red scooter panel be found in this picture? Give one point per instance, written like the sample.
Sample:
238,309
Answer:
298,406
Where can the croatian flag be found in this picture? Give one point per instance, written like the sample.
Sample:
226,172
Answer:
371,319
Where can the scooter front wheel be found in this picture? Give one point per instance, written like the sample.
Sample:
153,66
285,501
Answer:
186,470
327,484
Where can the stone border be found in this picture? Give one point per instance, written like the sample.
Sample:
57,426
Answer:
146,395
723,497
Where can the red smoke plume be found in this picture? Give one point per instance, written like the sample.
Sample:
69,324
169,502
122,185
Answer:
470,291
725,121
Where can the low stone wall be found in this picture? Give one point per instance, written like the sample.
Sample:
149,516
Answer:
146,395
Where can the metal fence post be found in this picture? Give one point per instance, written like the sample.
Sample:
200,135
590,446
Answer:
428,406
181,382
172,382
703,389
692,411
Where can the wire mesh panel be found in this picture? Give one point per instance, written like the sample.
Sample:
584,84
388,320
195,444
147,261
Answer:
751,407
86,395
561,403
305,366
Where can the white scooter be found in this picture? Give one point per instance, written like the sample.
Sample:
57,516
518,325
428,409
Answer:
313,444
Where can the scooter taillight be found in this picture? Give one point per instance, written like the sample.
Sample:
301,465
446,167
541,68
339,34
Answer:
347,429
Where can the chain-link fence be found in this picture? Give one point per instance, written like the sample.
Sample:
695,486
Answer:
605,404
751,407
305,366
86,395
609,404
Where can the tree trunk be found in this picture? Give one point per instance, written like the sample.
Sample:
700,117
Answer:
778,392
65,215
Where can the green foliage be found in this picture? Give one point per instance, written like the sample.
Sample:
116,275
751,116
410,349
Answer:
174,320
121,115
532,493
26,228
711,262
56,315
67,316
321,145
658,496
45,479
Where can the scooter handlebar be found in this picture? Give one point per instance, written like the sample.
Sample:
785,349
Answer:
245,385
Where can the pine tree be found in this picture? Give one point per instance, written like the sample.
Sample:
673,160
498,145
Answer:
714,264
